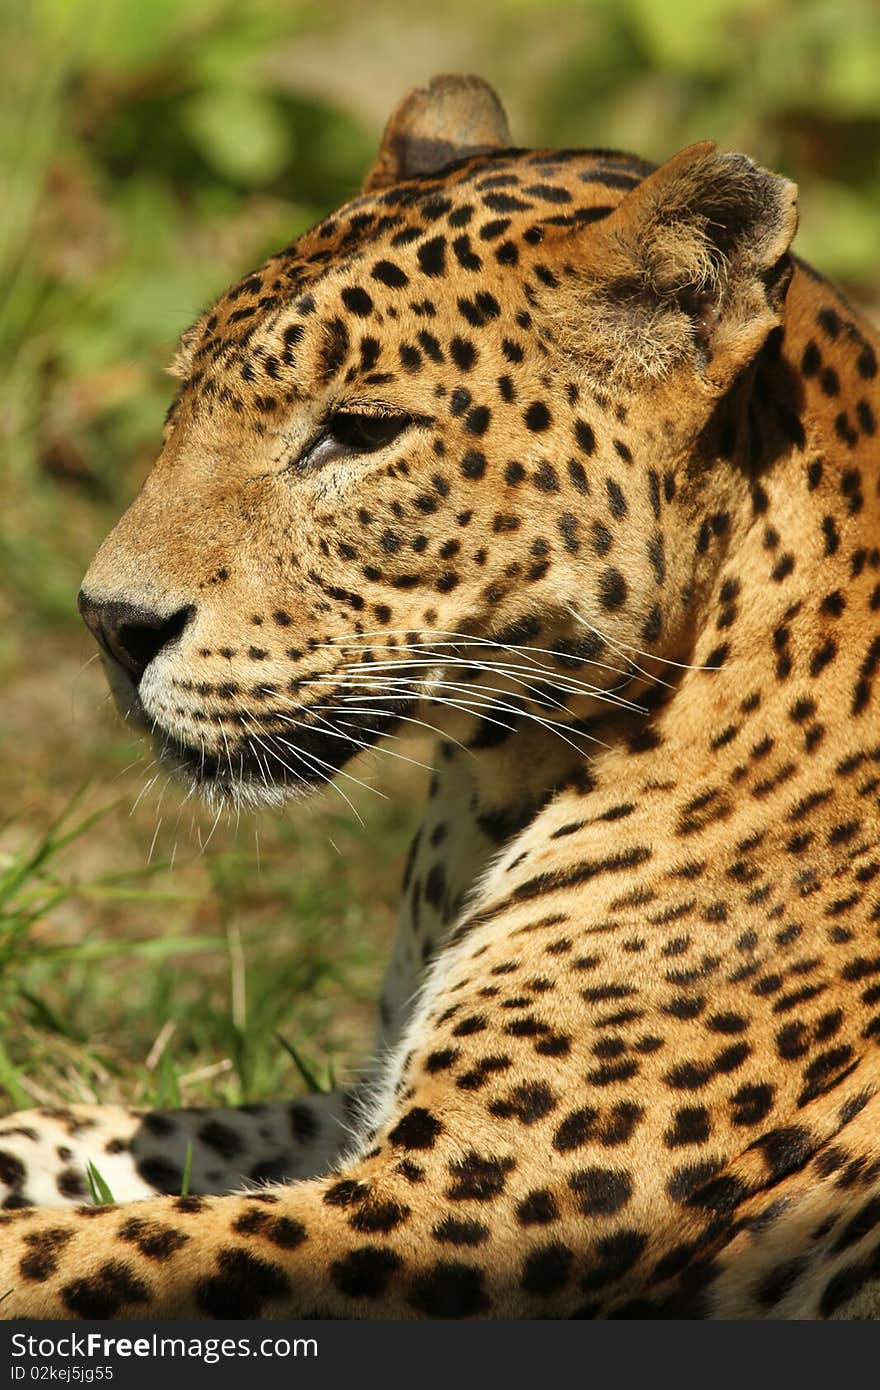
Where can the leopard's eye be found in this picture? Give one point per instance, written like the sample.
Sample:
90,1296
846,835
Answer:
348,433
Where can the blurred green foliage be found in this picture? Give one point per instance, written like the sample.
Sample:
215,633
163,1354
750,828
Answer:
794,83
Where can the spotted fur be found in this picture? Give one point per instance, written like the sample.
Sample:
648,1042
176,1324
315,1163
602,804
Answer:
569,459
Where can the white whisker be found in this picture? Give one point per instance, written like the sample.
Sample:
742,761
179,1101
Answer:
331,732
479,696
625,646
144,789
456,639
154,839
521,675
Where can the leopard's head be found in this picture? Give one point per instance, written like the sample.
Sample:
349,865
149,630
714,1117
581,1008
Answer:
457,455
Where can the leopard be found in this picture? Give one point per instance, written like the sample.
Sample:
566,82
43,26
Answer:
568,462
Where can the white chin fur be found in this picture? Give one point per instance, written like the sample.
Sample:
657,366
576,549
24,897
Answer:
230,793
242,795
235,793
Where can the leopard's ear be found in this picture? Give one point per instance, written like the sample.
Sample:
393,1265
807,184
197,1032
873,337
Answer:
691,267
452,117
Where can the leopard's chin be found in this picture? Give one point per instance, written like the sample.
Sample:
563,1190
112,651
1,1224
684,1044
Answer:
239,778
259,766
265,757
227,782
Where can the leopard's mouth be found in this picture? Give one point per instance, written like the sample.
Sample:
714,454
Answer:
257,756
264,762
258,767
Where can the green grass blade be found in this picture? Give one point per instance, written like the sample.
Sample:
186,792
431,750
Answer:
49,844
302,1066
187,1170
149,948
10,1083
169,1090
101,1194
46,1017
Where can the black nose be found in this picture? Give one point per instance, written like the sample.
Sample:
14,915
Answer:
132,636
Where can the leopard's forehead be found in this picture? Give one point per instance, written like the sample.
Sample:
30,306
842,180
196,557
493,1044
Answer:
477,215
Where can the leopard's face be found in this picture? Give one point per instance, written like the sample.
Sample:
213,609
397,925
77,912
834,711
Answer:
389,493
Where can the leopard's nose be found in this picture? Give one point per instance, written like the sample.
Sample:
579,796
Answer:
132,636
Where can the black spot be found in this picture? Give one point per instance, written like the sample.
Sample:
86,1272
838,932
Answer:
690,1126
474,1023
372,1218
653,625
41,1261
463,353
418,1129
478,1178
70,1183
155,1241
477,1077
431,346
585,437
495,228
104,1293
12,1171
432,256
829,381
602,538
156,1123
477,420
785,1150
528,1102
568,526
688,1179
601,1191
441,1060
781,1280
546,478
452,1232
435,885
576,1129
612,589
865,1219
547,1269
616,499
811,359
221,1138
537,417
335,347
844,1284
464,254
578,476
303,1125
473,465
189,1205
514,473
537,1208
161,1175
390,274
364,1273
450,1290
619,1123
357,301
345,1193
616,1255
410,357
